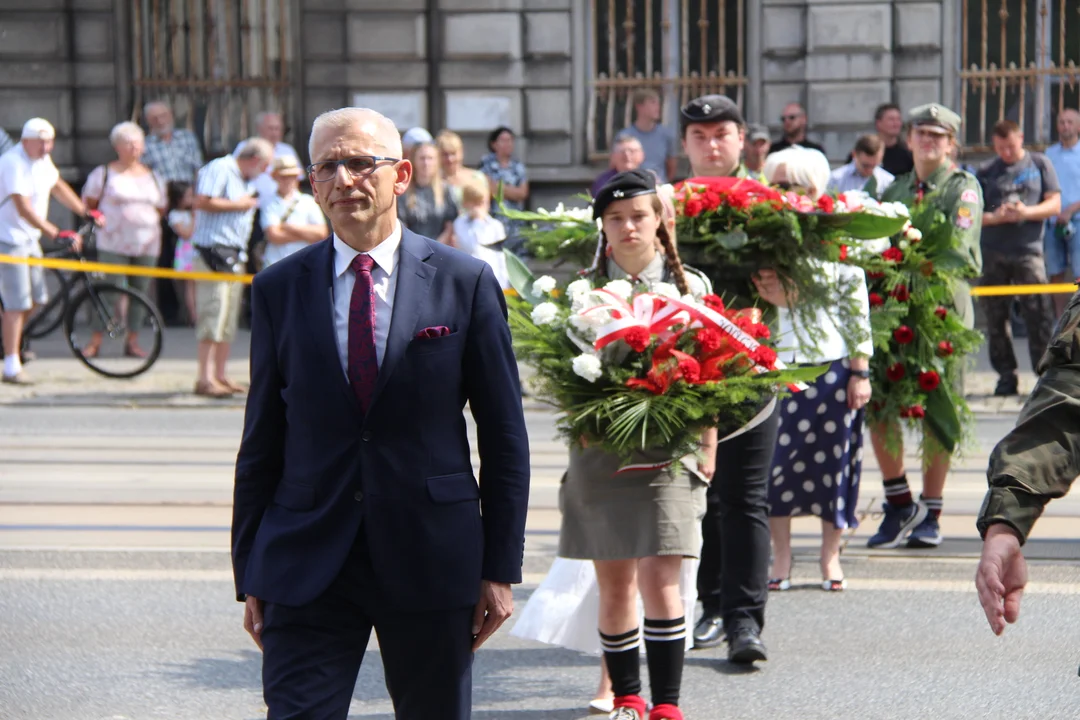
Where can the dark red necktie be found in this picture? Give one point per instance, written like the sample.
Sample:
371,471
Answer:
921,189
363,362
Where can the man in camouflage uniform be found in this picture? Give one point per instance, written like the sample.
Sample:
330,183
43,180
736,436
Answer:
733,578
1033,464
931,136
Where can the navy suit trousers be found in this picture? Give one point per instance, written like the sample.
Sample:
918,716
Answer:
312,654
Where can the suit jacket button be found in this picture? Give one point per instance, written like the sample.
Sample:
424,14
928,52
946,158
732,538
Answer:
366,436
359,496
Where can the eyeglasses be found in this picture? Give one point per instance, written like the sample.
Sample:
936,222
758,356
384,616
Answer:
790,117
359,166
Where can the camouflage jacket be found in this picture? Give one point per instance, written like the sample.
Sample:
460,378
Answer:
1040,458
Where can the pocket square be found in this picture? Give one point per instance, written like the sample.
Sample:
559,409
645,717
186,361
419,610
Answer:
432,332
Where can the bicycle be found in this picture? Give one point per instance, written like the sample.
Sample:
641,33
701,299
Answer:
86,304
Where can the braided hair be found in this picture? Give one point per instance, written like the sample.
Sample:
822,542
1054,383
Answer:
667,247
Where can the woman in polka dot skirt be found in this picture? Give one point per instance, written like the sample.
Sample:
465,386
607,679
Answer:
818,457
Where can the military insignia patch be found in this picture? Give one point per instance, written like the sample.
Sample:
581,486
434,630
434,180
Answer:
969,196
964,212
963,222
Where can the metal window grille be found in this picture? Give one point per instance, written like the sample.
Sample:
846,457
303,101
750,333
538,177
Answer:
216,62
680,48
1019,62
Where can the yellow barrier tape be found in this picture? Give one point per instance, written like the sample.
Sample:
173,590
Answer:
993,290
109,269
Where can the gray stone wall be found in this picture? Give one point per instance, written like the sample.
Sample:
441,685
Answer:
842,58
58,61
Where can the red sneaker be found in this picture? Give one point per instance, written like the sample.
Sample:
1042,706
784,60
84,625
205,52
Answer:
666,712
629,707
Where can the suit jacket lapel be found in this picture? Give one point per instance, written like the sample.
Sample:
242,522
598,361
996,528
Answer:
316,293
413,283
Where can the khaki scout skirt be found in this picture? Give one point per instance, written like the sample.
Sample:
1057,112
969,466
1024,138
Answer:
608,515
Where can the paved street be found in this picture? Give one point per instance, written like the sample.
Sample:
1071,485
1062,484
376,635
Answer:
116,598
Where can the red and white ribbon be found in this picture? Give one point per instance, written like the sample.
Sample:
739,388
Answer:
654,313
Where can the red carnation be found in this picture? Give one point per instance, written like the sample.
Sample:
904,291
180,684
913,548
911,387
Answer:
895,372
893,255
843,252
927,269
691,370
714,303
709,340
903,335
876,300
694,206
944,348
874,275
915,411
711,200
929,380
826,204
941,312
638,338
763,356
901,293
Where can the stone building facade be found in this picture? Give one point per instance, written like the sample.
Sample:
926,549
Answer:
557,71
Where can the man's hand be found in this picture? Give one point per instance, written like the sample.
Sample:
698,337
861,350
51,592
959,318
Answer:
253,619
247,203
1015,212
495,606
1001,577
1064,217
70,237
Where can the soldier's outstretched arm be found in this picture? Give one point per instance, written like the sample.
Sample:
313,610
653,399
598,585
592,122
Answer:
1039,459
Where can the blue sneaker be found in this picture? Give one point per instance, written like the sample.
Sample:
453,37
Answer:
898,522
926,534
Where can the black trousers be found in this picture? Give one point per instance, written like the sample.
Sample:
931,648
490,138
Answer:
312,654
166,297
733,578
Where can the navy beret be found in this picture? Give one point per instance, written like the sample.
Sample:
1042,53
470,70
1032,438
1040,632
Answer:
624,185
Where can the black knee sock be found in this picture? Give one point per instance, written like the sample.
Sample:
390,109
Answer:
622,653
665,648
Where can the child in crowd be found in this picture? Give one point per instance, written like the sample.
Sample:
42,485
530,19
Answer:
182,222
478,233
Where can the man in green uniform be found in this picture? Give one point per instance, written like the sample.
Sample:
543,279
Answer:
932,137
733,578
1033,464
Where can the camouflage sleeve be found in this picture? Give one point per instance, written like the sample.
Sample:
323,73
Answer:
965,209
1040,458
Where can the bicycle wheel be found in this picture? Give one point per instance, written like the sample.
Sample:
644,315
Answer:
101,311
46,318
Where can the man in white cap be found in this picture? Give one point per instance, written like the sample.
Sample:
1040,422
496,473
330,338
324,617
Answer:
28,179
412,138
292,220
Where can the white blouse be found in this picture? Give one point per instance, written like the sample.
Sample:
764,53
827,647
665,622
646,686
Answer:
796,346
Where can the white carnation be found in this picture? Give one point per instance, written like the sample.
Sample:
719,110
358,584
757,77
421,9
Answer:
904,244
578,287
913,234
588,367
620,288
587,323
545,313
665,289
543,285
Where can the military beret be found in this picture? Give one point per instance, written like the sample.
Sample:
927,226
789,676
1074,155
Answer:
624,185
710,109
934,116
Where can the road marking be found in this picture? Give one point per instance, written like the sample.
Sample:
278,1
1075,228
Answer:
530,580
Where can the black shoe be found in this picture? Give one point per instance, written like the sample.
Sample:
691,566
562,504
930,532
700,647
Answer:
1007,385
709,631
745,646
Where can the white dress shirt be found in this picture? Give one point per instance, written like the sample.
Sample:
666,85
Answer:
383,277
793,345
847,177
265,184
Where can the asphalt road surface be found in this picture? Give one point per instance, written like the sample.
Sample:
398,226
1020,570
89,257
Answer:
116,599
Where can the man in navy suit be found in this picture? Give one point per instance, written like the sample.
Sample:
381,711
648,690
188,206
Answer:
355,504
